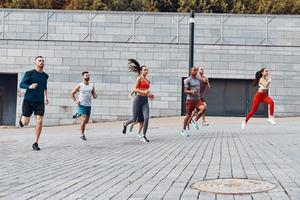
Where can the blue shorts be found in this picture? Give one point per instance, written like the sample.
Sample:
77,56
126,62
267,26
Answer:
84,110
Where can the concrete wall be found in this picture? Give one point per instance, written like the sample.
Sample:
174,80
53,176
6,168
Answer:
229,46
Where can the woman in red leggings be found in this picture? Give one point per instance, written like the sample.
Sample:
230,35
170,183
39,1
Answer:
263,80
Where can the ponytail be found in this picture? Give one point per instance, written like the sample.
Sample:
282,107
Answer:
258,75
134,66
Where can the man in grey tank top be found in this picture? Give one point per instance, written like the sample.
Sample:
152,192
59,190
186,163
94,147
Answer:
192,89
84,101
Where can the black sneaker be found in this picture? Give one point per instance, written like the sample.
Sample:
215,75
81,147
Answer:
35,147
124,128
20,123
76,115
83,138
146,139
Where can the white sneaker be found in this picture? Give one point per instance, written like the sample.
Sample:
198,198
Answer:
205,124
143,139
195,125
271,120
244,124
184,133
131,128
140,135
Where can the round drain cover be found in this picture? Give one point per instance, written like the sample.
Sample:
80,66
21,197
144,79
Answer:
233,186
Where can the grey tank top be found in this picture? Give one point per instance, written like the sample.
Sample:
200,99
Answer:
192,84
85,94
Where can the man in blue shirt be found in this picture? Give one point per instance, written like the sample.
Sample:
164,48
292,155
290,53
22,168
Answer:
36,96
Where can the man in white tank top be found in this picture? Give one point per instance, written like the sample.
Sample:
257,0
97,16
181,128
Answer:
84,101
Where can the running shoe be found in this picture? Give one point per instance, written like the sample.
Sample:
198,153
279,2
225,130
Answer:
35,147
139,135
195,125
271,120
244,124
146,139
83,138
184,133
131,128
76,115
205,124
20,122
124,128
143,139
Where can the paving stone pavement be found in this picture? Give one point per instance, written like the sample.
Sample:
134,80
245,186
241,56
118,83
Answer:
111,165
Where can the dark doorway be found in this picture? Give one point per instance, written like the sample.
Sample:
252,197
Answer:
8,99
230,97
1,103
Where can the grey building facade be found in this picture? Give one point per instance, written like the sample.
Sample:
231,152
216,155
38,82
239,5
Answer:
230,47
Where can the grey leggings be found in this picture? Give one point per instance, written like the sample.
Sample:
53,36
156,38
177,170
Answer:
140,107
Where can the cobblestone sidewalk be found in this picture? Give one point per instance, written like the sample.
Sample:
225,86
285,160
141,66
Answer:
111,165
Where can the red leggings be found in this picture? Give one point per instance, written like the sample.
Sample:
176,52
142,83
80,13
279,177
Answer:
260,97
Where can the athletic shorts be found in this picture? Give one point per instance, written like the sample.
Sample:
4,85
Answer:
191,105
84,110
29,107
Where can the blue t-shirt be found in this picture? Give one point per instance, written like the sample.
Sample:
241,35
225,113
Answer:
31,77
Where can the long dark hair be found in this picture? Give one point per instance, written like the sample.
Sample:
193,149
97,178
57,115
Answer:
258,75
134,66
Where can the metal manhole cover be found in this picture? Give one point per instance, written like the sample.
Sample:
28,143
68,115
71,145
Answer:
233,186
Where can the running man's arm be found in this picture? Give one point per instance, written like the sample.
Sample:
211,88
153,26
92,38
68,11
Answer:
73,93
25,82
186,91
46,96
46,92
94,93
208,84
